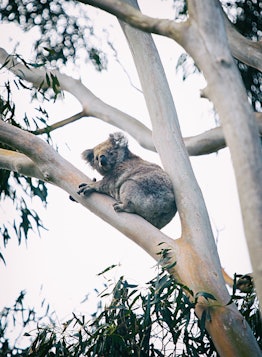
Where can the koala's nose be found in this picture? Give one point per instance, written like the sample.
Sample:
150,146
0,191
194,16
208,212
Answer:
103,160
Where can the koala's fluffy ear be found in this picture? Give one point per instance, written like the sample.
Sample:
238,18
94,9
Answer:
118,140
88,155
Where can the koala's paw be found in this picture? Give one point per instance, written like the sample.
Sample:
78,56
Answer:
85,189
127,206
119,207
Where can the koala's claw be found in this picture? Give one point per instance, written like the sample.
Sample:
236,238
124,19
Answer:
85,189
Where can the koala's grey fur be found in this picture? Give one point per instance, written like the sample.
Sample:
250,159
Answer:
137,185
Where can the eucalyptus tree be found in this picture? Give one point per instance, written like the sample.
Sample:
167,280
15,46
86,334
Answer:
209,37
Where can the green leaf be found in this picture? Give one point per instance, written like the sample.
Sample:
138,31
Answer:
50,50
170,266
107,269
2,258
47,80
205,295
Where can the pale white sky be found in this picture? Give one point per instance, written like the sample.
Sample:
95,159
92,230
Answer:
62,265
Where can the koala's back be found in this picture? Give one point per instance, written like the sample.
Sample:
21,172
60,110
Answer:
145,189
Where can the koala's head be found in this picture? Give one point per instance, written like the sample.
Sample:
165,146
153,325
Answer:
105,156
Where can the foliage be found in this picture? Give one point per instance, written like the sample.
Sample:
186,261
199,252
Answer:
249,22
65,33
64,28
28,219
16,188
157,320
17,317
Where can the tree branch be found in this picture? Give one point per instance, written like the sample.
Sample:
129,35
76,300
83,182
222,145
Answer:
243,49
205,143
211,140
202,144
92,105
59,124
15,161
38,159
127,13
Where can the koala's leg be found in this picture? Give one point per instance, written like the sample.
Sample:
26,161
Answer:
127,197
127,206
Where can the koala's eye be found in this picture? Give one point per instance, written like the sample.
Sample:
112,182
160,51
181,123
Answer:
111,153
96,157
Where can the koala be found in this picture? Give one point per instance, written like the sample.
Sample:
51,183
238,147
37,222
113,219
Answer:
138,186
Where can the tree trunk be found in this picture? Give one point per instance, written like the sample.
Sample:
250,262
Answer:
226,90
198,265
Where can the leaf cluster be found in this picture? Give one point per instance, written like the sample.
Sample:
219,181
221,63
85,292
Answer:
63,26
129,321
28,219
18,315
249,23
157,320
14,187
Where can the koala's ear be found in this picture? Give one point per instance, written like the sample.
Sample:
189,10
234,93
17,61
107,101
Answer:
88,155
118,139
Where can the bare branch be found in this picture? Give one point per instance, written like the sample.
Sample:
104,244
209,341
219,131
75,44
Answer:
211,140
245,50
135,18
92,105
15,161
59,124
95,107
205,143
